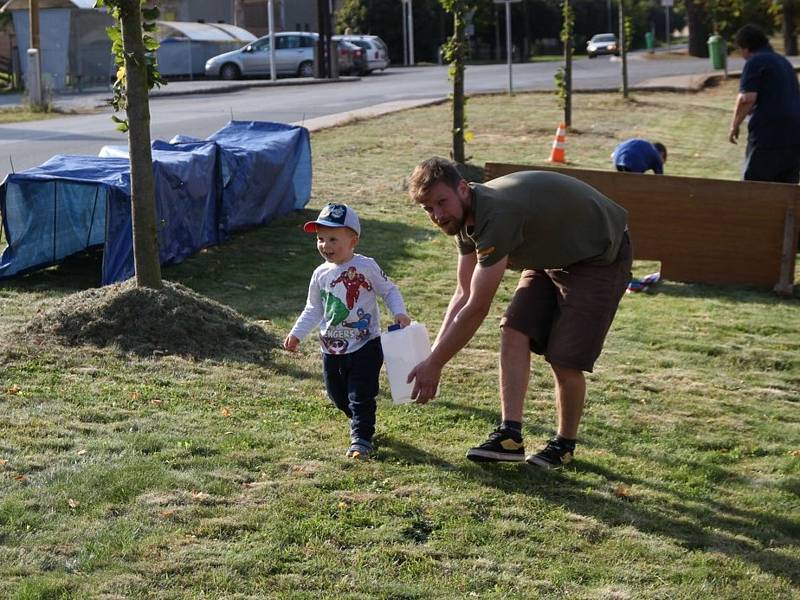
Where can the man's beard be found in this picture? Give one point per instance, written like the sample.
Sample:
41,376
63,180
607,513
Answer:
453,226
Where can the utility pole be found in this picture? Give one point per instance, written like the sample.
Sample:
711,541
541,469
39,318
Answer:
667,4
325,52
405,33
271,22
238,13
411,60
509,48
34,75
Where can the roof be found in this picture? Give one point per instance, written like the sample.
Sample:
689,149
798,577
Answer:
203,32
24,4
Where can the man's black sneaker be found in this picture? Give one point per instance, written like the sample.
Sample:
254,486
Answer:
554,456
502,445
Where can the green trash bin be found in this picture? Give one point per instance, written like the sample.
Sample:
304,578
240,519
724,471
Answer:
717,51
649,41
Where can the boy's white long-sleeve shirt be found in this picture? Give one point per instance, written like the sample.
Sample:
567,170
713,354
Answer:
343,302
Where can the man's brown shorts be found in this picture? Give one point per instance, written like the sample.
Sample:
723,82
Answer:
567,312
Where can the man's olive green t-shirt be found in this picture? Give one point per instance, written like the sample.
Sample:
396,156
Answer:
542,220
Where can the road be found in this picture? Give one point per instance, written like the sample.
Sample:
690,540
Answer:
29,144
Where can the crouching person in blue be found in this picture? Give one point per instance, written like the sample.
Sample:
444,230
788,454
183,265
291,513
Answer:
639,156
342,302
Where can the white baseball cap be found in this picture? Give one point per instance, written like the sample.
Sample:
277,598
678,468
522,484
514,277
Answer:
335,215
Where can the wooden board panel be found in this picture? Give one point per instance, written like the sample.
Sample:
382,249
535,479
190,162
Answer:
702,230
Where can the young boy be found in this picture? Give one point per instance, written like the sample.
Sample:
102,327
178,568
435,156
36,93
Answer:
342,301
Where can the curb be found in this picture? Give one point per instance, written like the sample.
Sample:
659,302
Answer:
369,112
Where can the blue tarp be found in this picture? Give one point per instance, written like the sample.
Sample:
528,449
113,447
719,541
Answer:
244,175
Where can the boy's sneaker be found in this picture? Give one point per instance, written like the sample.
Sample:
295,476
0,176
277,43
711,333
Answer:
554,456
359,449
502,446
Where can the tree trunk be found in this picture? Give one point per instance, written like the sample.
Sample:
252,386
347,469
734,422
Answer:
458,84
788,29
699,28
623,48
143,205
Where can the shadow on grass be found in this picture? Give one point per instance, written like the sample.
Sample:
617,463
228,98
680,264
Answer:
490,416
75,273
725,293
706,524
393,449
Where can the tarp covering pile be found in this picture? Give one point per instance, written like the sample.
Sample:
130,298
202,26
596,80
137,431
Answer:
245,175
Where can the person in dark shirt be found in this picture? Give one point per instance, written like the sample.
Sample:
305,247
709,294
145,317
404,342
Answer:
572,248
769,93
637,156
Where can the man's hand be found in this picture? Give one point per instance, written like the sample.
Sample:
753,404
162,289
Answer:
402,320
426,376
733,134
291,343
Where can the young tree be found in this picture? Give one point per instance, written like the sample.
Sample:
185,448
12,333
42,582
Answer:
352,15
134,50
454,52
624,35
564,74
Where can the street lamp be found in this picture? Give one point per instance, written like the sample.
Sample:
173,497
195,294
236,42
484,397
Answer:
509,48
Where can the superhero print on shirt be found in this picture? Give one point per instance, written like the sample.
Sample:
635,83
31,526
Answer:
362,325
334,309
353,281
334,345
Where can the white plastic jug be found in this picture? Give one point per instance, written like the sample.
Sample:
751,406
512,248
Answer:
404,349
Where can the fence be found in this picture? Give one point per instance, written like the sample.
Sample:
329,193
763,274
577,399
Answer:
702,230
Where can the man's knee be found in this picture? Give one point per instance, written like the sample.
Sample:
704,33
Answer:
567,374
513,338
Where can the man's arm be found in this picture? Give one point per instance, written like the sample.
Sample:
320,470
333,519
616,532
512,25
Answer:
462,326
466,266
744,104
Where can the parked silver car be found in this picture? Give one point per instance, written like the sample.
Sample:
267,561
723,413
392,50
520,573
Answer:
377,54
294,55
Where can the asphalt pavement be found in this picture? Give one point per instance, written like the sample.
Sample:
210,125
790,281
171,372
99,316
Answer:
98,98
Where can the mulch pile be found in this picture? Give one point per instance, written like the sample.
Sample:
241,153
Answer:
173,320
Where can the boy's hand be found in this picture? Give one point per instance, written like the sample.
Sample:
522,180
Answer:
402,320
291,343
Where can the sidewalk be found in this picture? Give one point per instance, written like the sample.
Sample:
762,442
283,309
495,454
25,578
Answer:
693,82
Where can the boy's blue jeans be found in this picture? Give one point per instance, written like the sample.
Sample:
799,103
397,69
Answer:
352,384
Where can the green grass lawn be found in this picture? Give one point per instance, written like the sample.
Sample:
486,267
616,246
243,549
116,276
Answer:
19,114
165,477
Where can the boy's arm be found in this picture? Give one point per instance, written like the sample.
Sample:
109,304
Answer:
308,319
392,297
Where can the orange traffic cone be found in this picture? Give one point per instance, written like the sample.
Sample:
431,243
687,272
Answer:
557,153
